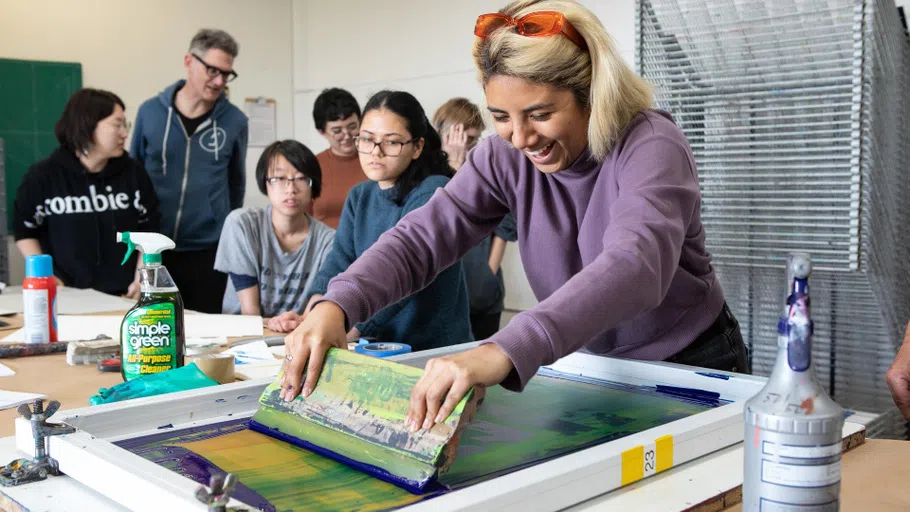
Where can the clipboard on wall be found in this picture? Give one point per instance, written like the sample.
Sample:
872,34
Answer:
262,112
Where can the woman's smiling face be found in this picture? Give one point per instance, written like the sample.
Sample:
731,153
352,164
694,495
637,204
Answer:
544,122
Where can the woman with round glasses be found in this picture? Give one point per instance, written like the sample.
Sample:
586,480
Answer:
605,195
272,254
402,156
72,204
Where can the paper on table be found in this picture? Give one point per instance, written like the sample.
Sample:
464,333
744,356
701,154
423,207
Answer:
200,326
10,399
258,370
196,346
205,341
6,371
251,353
76,327
70,301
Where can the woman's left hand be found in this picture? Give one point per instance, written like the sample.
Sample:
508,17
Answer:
353,335
446,381
285,322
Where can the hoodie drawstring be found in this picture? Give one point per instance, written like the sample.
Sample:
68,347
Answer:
215,129
99,230
167,130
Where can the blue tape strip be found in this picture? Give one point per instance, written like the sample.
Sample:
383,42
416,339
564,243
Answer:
382,349
714,375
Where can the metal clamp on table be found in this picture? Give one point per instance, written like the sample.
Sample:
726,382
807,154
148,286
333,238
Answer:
21,471
218,498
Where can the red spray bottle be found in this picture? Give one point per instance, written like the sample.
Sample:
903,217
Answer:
39,295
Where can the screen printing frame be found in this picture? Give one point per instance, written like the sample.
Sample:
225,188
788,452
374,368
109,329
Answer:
90,457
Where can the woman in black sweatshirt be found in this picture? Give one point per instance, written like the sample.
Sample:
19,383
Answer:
71,204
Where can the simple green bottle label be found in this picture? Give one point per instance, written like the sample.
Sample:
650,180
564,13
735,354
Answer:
148,338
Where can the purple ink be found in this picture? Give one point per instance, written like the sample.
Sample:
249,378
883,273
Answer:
200,470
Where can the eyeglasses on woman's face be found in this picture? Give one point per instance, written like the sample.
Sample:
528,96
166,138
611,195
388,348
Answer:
388,147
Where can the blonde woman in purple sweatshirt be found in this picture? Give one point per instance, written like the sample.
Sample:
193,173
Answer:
605,195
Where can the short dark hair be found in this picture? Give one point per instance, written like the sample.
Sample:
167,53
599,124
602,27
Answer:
86,107
208,38
334,105
299,156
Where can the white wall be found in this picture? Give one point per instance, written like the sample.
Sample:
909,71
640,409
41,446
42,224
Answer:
403,44
135,49
289,50
418,46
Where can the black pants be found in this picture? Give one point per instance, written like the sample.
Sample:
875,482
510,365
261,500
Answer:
484,325
719,347
200,285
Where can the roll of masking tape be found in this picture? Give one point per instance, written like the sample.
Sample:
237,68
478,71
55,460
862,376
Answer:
382,349
218,367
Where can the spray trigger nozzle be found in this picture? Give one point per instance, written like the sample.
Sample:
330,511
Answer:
151,245
130,246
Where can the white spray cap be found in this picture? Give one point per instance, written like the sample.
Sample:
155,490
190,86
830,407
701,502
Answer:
151,245
799,266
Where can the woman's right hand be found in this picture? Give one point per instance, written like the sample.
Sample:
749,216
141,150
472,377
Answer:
305,348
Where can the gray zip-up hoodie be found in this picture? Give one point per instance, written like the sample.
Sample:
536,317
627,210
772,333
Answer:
199,177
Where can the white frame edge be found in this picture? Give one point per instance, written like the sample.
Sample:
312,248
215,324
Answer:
90,456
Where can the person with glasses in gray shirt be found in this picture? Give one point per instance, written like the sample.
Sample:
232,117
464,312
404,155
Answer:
272,254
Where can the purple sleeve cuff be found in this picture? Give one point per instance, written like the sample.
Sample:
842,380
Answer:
527,345
349,298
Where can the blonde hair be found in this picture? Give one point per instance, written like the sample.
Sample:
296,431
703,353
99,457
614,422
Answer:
458,111
599,78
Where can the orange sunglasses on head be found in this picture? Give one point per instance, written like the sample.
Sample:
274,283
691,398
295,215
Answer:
535,24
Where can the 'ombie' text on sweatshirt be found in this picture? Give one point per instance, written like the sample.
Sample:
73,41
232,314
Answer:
75,216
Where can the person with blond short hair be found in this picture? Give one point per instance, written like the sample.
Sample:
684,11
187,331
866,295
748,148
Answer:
460,124
605,195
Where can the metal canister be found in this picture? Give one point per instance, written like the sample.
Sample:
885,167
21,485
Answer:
793,428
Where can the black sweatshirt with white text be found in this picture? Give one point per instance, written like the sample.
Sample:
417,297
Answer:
75,216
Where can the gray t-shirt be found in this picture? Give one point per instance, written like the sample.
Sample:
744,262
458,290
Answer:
249,247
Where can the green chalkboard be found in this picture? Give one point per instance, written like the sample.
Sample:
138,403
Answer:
32,96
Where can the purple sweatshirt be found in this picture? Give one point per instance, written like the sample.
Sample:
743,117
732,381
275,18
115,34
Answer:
615,252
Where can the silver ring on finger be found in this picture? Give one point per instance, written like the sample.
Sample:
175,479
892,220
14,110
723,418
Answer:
289,357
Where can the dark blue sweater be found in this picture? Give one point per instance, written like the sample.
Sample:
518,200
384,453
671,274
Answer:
436,316
486,290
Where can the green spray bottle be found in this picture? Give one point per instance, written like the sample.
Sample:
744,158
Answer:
151,335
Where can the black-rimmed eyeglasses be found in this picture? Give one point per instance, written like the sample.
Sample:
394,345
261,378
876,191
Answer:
388,147
283,180
212,71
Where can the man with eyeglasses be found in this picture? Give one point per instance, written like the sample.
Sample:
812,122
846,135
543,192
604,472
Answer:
193,141
337,118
